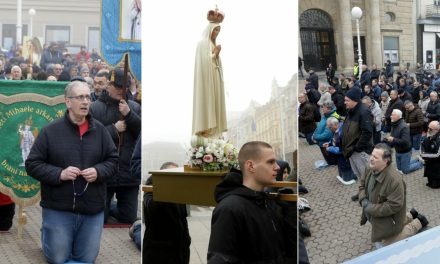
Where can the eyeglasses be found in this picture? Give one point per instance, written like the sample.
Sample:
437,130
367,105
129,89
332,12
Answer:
432,129
80,97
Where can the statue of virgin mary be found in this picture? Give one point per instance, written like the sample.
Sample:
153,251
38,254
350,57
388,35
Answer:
209,111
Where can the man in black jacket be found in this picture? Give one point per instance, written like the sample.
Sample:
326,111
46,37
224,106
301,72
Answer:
400,139
73,158
246,225
357,131
122,119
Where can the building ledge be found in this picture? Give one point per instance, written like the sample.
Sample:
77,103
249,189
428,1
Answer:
429,21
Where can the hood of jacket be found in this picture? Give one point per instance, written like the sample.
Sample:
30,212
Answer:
232,184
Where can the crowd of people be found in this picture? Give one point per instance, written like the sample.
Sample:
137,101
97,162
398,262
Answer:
358,121
95,180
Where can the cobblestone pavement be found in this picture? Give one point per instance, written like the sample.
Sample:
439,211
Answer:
116,245
334,219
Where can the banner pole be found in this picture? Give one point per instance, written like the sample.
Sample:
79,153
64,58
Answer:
22,220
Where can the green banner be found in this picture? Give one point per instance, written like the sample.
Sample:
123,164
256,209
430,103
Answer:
25,107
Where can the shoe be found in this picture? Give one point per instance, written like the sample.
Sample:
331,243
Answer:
302,189
399,171
355,197
422,220
130,231
414,213
350,182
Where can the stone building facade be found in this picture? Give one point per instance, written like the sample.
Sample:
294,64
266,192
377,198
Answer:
328,33
72,22
273,122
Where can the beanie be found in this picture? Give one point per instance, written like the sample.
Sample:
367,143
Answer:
354,94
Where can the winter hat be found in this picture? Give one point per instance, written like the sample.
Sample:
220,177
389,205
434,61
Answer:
354,94
384,94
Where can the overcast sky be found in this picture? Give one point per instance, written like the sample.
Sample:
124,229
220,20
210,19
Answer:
258,41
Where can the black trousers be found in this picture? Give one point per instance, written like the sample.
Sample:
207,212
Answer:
7,213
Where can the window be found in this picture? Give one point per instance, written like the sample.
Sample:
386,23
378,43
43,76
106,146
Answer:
391,49
390,17
93,39
58,34
10,33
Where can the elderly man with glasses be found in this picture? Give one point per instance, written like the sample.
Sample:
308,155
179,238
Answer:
430,153
73,157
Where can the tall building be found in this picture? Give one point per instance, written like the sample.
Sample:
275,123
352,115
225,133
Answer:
328,33
273,122
428,32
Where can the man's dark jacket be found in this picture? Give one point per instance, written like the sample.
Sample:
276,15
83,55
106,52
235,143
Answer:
59,146
106,110
357,131
402,139
246,226
393,104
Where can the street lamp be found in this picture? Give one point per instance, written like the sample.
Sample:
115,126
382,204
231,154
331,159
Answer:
356,13
32,13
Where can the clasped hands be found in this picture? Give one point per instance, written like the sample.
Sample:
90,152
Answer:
71,173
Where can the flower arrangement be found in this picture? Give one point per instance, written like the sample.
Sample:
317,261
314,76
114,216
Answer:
213,155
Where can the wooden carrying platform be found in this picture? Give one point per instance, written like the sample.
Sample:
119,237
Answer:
195,187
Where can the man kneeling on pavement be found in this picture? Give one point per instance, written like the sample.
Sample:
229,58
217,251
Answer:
383,199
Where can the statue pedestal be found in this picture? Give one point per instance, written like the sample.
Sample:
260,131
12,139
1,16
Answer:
194,186
186,186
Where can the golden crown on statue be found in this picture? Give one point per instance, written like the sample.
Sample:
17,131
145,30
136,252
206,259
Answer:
215,16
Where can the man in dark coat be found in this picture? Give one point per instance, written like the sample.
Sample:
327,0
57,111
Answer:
400,140
338,100
122,118
383,199
166,237
246,225
433,109
306,120
414,120
357,142
395,103
431,154
73,158
314,79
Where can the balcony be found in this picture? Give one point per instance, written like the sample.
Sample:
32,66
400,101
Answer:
433,11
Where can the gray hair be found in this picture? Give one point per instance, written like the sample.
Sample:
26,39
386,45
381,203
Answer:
387,152
332,121
366,99
328,104
408,102
72,85
398,112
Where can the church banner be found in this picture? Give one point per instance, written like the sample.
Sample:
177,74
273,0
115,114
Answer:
25,107
121,33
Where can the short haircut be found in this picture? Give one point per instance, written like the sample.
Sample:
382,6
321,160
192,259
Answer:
434,93
103,73
251,151
387,152
408,102
328,104
15,67
333,120
367,99
168,164
71,85
398,112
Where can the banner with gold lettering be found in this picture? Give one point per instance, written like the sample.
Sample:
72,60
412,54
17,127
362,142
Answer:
25,107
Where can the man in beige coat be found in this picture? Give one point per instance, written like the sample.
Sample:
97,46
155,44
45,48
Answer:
383,199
